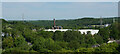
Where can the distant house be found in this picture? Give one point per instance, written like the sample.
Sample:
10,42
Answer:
95,45
57,27
30,44
3,34
96,25
41,28
34,30
6,34
106,25
111,41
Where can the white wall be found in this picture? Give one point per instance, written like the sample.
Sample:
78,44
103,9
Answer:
93,31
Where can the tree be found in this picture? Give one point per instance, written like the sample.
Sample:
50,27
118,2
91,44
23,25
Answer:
45,34
62,44
20,43
81,40
85,50
7,42
89,40
98,39
71,35
110,47
58,36
39,44
104,33
51,45
114,33
74,45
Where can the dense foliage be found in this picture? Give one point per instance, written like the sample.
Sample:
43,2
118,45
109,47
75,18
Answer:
26,37
74,23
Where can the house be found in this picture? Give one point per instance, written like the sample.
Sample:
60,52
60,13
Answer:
111,41
95,45
106,25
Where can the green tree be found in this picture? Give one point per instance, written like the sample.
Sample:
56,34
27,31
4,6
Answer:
104,33
20,43
74,45
7,42
98,39
62,44
89,40
39,44
110,47
114,33
85,50
71,35
58,36
51,45
45,34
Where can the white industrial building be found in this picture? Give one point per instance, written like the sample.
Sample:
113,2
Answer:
93,31
60,28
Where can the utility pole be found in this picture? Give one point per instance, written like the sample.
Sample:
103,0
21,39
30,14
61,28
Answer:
113,20
23,17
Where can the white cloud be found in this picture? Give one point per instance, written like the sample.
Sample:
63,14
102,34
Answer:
60,0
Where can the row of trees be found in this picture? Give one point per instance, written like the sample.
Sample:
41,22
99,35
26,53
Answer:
73,23
20,37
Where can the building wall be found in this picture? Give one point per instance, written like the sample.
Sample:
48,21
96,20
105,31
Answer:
93,31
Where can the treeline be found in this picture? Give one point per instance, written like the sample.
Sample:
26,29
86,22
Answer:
26,37
74,23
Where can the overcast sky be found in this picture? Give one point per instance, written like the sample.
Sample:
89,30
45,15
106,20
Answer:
58,10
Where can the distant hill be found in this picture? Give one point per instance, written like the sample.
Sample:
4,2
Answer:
73,23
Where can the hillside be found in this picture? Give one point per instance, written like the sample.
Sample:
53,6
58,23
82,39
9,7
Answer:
22,37
73,23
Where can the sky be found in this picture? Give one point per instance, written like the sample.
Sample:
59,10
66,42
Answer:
57,10
60,0
0,10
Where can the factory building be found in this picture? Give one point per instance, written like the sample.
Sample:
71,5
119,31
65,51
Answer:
83,31
60,28
56,27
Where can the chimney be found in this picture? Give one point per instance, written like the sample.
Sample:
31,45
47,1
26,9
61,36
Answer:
54,22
